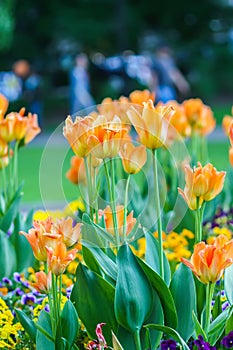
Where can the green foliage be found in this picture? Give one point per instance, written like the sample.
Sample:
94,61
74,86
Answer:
7,256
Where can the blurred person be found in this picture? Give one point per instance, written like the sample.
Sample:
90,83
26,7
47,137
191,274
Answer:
168,82
80,95
31,86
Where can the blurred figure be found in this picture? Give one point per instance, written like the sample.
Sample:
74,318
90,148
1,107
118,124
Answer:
167,81
32,86
80,85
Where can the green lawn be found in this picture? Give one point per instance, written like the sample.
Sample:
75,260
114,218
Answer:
43,170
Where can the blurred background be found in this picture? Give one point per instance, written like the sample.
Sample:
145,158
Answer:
119,38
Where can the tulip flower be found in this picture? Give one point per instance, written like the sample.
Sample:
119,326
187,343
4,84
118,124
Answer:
43,282
200,116
110,108
152,124
226,123
69,234
77,173
77,133
59,257
3,105
209,261
133,158
202,184
139,97
106,139
108,219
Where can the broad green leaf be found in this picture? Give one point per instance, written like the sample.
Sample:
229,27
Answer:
7,256
152,256
108,266
185,301
11,210
115,343
165,296
24,253
27,324
69,323
95,234
93,298
217,327
171,332
228,283
229,323
201,296
90,260
44,328
134,298
198,328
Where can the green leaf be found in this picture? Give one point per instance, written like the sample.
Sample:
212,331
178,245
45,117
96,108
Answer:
69,323
93,233
152,256
44,330
201,296
229,323
228,283
115,343
93,298
7,256
107,265
24,253
165,296
217,327
90,260
198,328
134,298
11,210
171,332
185,301
27,324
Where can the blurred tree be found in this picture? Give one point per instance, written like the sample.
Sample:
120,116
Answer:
6,23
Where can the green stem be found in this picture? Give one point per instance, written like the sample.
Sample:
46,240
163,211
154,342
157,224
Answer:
89,187
15,166
111,191
4,185
209,296
198,222
95,192
158,212
125,208
137,339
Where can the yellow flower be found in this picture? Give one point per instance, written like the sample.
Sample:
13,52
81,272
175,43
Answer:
133,158
152,124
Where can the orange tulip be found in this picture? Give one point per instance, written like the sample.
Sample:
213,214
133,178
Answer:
106,138
108,218
179,120
7,129
109,108
133,158
77,174
200,116
77,133
139,97
231,155
230,130
59,257
202,183
152,125
49,233
3,105
226,123
209,261
69,234
43,282
3,148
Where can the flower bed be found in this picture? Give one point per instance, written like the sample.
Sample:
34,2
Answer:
143,259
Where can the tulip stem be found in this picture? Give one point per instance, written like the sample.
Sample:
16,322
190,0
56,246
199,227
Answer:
209,296
89,187
158,212
198,222
4,185
137,339
111,190
125,208
15,166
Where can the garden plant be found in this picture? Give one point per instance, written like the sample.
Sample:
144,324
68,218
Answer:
143,259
